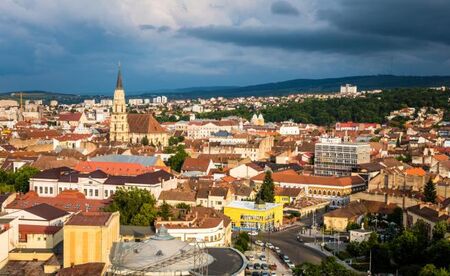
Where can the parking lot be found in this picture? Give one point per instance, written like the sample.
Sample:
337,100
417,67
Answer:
264,260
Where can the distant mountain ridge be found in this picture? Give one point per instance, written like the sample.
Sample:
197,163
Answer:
310,86
326,85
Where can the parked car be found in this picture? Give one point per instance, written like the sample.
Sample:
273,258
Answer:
286,258
258,242
277,249
264,266
262,258
290,265
257,266
256,273
269,245
250,266
265,273
273,273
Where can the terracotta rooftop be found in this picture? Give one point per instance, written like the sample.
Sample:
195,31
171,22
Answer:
90,219
68,200
68,117
415,171
195,164
113,168
143,123
177,195
290,176
46,211
25,229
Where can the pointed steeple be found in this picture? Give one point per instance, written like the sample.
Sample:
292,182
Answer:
119,79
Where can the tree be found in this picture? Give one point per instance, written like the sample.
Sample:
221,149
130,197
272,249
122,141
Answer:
430,192
241,242
353,226
136,206
439,253
165,211
329,266
145,141
396,216
432,270
405,248
267,191
439,230
21,178
183,206
176,161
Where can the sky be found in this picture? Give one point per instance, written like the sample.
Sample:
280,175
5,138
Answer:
75,46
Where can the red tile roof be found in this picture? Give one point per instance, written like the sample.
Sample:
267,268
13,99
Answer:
73,137
89,219
195,164
290,176
113,168
143,123
25,229
69,117
69,200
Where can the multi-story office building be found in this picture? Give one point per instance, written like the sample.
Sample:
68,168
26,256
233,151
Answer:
333,157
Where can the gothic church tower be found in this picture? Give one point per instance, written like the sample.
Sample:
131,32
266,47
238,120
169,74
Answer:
119,129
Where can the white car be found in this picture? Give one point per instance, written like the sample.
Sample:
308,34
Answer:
269,245
290,265
253,233
258,242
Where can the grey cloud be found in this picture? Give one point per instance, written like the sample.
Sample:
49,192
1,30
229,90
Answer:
159,29
413,19
147,27
328,40
284,8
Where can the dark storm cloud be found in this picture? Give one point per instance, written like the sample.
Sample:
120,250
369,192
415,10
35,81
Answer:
328,40
413,19
284,8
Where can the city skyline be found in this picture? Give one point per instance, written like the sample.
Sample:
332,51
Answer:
167,45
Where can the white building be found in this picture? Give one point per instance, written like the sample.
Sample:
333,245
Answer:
106,102
359,235
97,184
89,102
197,108
134,102
332,157
349,89
289,129
201,224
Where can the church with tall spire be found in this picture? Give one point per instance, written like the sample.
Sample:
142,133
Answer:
132,128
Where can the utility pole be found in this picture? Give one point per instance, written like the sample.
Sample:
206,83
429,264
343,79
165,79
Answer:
370,263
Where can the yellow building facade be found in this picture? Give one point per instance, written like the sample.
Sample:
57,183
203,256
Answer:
249,216
89,236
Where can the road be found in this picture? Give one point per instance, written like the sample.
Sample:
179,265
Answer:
287,241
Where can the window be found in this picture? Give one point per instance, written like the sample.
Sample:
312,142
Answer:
96,192
85,192
46,190
90,192
40,190
51,190
106,193
60,189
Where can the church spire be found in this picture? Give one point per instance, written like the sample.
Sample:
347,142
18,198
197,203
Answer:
119,79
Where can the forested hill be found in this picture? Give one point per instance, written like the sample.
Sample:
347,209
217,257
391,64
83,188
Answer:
308,85
373,108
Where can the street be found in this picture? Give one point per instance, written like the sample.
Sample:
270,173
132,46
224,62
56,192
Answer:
287,241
